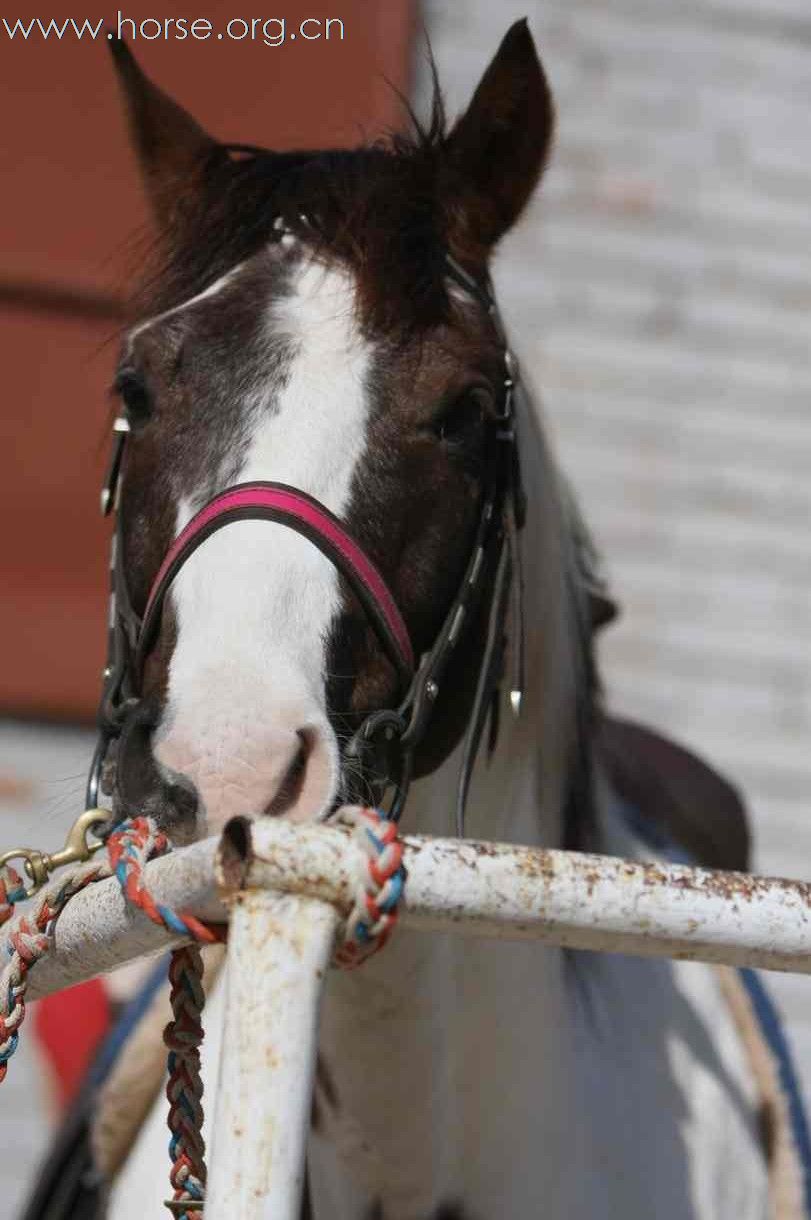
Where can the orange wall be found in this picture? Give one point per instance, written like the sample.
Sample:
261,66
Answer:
69,202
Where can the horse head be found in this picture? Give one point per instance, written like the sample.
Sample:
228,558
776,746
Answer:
317,321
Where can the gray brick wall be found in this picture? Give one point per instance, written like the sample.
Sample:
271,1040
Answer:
659,291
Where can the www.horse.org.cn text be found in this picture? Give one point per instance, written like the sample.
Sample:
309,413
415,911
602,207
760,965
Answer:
270,31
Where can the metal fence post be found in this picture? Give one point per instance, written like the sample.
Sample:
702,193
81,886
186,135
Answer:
279,950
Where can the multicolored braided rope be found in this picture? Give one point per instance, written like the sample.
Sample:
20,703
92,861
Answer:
12,891
29,938
381,882
128,849
184,1088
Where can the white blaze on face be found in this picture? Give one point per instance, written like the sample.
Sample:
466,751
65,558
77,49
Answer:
254,605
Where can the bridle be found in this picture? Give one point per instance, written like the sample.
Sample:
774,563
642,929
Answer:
384,745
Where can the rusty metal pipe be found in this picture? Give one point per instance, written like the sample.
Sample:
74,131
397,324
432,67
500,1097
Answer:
480,889
562,898
279,948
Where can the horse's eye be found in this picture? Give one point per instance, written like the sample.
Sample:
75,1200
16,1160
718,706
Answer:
133,391
461,420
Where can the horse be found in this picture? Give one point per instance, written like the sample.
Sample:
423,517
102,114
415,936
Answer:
324,321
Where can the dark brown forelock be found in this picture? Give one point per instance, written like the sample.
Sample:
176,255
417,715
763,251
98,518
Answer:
377,209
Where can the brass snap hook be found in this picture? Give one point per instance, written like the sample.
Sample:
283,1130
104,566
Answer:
77,850
33,865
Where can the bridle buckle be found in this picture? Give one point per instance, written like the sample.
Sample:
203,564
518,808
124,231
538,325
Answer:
112,479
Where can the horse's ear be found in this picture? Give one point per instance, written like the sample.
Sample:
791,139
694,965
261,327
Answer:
496,151
171,147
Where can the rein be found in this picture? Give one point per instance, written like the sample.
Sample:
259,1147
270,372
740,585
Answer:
384,745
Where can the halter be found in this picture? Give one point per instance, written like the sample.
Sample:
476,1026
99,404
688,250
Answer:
385,744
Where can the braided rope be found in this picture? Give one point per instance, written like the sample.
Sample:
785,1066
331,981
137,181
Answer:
129,848
12,891
381,880
184,1088
29,938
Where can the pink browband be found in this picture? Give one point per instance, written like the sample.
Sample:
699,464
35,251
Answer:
287,506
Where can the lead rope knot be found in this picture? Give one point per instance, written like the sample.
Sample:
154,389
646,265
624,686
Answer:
381,878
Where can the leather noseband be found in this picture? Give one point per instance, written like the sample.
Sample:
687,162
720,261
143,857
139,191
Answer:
287,506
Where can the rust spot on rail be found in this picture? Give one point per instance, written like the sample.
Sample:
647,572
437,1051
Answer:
547,865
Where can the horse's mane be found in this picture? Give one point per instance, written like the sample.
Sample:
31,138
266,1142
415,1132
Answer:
563,570
582,566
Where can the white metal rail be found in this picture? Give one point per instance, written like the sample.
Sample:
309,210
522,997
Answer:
279,948
481,889
287,887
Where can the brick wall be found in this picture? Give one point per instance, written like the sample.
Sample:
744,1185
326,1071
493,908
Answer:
659,291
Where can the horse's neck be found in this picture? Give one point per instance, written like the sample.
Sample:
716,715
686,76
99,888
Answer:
495,1074
442,1028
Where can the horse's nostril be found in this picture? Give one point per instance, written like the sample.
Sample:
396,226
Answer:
293,782
251,769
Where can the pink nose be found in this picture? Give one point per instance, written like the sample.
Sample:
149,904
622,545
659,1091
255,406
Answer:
270,772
